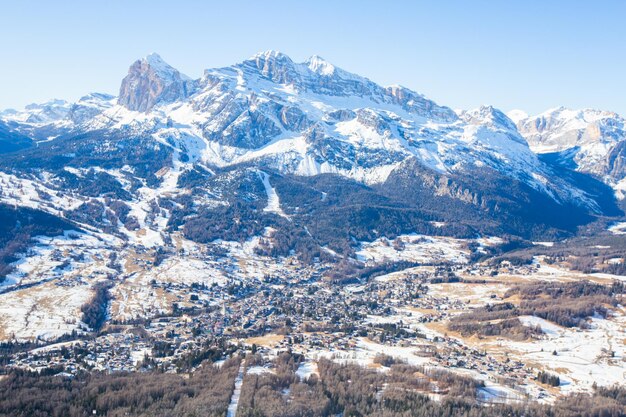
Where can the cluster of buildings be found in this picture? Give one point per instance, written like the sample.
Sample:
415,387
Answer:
303,311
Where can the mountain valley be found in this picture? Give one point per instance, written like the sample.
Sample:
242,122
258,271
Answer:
277,224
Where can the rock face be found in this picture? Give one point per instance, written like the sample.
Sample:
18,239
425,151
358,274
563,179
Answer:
306,119
312,118
616,161
335,144
559,129
89,107
593,140
150,81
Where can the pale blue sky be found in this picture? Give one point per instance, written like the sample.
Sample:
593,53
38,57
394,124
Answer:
530,55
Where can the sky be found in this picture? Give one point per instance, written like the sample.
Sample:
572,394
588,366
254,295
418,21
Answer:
528,55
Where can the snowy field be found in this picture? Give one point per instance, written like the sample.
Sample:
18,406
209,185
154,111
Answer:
46,311
414,248
618,228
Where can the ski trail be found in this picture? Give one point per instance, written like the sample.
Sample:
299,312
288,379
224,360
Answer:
234,400
273,202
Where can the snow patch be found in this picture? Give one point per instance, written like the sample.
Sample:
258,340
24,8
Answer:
273,202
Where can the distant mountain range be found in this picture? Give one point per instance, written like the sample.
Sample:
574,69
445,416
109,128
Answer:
588,140
317,154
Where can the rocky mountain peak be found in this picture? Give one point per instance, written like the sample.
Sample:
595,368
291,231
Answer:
273,65
150,81
89,106
320,66
561,128
489,115
590,140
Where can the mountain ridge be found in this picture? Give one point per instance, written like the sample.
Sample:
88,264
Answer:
174,153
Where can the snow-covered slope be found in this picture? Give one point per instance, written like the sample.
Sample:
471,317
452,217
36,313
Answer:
46,121
303,118
310,118
38,114
592,139
273,115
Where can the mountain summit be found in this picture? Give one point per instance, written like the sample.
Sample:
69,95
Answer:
591,141
151,80
291,147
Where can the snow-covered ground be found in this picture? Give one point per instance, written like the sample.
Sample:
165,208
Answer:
618,228
365,350
579,357
306,369
422,248
46,311
546,326
546,244
498,394
139,355
61,256
415,248
273,202
259,370
42,297
24,192
234,400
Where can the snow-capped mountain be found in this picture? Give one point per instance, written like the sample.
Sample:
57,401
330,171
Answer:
280,203
171,152
593,140
50,119
38,114
304,118
89,106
